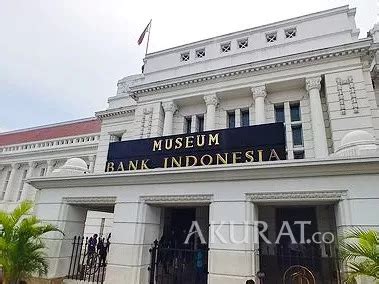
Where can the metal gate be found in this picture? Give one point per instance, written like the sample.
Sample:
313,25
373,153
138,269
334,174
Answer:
278,265
89,258
178,265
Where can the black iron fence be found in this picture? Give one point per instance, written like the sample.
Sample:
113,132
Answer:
89,259
178,265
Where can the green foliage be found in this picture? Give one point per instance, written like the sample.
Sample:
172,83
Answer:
21,246
360,250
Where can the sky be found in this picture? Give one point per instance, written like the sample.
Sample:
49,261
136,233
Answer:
61,59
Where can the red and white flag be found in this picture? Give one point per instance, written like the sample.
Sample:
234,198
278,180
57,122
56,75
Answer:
142,36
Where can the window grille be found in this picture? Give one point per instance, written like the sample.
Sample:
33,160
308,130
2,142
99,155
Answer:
271,37
185,56
200,53
243,43
225,47
290,33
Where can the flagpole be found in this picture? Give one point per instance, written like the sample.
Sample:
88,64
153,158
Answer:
148,38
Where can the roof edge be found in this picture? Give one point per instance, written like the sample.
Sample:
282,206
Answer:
50,125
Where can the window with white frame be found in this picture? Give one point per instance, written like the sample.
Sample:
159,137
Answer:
185,56
271,37
291,117
188,124
245,117
225,47
231,116
290,33
243,43
200,53
7,177
21,188
199,123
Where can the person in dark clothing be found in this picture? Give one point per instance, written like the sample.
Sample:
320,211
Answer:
102,251
92,242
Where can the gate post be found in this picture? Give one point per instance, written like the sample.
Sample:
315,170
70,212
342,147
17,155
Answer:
153,263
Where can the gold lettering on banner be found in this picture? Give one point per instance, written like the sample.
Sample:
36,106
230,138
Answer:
168,144
178,163
236,157
206,156
178,143
213,139
249,156
189,142
110,167
157,145
194,161
200,143
223,160
165,163
121,167
144,165
260,155
132,165
273,154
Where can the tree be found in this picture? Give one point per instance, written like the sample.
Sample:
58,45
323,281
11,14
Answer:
359,248
21,246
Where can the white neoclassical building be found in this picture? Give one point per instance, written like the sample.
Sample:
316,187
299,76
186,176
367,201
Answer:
274,124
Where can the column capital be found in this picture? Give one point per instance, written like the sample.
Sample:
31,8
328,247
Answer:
259,91
169,106
211,99
15,166
313,83
32,164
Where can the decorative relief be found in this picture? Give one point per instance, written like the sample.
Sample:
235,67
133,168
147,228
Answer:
334,195
353,96
146,123
211,99
259,92
90,200
313,83
190,198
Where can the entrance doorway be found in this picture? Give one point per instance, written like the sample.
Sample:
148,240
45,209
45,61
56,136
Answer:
178,257
297,258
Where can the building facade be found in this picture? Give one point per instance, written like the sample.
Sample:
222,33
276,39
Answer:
311,75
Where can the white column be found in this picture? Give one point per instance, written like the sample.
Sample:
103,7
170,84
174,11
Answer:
318,125
50,166
27,192
211,102
259,94
169,109
9,192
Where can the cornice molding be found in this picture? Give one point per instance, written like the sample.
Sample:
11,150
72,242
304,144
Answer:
359,48
327,195
186,198
237,172
117,112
